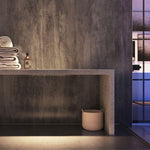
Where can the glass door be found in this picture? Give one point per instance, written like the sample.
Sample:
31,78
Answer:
141,61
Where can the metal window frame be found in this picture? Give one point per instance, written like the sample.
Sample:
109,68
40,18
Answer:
143,56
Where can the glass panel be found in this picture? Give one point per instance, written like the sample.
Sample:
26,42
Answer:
147,21
137,100
147,5
135,33
137,92
147,35
141,56
137,5
147,62
137,21
137,75
147,91
147,112
147,56
137,57
147,101
147,50
140,49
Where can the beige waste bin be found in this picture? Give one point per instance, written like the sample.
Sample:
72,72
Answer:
92,119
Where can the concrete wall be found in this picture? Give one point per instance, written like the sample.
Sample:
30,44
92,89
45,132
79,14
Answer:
68,34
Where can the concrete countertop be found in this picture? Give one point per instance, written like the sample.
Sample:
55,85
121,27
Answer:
58,72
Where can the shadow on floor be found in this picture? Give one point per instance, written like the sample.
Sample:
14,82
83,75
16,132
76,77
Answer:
47,130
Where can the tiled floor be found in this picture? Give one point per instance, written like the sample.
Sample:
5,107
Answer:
142,130
123,140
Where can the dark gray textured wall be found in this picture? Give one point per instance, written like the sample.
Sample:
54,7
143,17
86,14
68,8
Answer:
35,99
68,34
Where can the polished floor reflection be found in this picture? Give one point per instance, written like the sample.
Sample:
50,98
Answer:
71,143
123,140
142,130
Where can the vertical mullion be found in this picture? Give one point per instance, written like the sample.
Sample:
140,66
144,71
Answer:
143,59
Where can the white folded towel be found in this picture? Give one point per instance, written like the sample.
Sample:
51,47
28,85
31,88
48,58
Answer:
10,67
8,50
9,59
13,59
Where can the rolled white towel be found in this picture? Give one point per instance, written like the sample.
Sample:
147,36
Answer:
5,41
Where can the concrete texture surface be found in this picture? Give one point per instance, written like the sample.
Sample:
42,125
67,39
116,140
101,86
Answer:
65,87
73,34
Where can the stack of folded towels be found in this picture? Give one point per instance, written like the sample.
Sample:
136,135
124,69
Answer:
9,59
8,55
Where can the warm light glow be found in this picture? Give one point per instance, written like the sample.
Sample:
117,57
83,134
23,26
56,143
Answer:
61,142
50,142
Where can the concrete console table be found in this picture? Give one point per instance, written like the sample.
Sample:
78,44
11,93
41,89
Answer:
106,98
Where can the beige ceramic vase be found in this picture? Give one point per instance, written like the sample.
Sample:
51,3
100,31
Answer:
92,119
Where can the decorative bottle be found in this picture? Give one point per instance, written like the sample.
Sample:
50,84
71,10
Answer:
27,62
